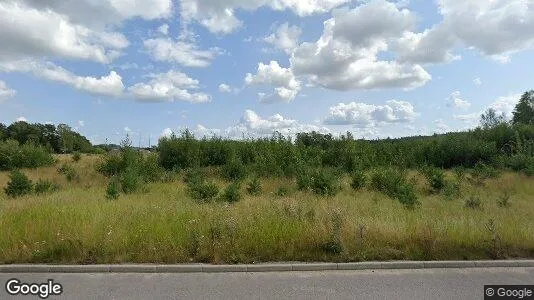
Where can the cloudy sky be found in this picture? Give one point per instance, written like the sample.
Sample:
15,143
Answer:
240,68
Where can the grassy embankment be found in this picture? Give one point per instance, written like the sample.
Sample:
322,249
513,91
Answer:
162,224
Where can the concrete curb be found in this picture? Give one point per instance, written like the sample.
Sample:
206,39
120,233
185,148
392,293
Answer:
281,267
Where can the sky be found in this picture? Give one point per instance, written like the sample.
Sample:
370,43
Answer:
247,68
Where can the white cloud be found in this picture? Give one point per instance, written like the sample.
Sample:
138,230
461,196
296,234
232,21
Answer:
496,28
225,88
167,132
219,16
346,56
127,130
286,85
164,29
182,52
503,106
28,32
6,92
149,10
169,86
22,119
110,85
455,100
285,38
477,81
253,125
81,123
368,115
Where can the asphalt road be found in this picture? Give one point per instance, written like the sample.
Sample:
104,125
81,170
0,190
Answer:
378,284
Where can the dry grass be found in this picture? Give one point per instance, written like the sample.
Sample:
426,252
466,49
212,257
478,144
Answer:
78,225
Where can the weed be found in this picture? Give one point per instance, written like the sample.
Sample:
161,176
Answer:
473,202
113,189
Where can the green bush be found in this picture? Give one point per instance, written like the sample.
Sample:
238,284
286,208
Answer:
452,190
203,191
232,193
254,187
325,183
130,181
76,156
18,185
304,180
194,175
70,173
234,170
113,189
16,156
393,183
358,180
435,178
45,186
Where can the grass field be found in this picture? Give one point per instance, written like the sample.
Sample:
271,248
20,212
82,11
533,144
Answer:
162,224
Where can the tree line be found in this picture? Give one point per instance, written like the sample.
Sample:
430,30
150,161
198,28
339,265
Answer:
56,139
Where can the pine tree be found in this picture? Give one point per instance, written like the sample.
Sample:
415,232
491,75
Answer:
524,111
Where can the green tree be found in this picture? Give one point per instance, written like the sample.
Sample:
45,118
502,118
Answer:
524,110
490,119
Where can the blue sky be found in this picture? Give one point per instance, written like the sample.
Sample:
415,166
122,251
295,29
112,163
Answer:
240,68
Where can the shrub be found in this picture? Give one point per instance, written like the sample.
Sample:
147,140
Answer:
452,190
45,186
15,156
435,178
358,180
112,165
194,175
473,202
234,170
150,170
231,194
254,187
19,184
130,181
484,171
203,191
76,156
304,180
393,183
113,189
69,172
325,183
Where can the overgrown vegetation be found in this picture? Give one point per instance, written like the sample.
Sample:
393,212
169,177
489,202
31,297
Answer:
18,185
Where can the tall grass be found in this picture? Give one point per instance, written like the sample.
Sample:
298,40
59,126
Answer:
77,224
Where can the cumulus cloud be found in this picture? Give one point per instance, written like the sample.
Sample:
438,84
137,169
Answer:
477,81
455,101
110,85
183,52
495,29
285,38
504,105
6,92
286,85
219,16
225,88
369,115
169,86
346,56
29,32
22,119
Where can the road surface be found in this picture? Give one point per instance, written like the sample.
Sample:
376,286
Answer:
377,284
